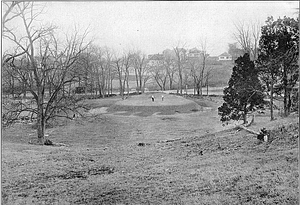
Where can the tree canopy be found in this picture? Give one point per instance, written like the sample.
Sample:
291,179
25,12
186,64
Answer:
278,56
244,91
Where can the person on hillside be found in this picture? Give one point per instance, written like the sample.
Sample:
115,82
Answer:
162,98
152,97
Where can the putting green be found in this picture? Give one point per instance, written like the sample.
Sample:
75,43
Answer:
144,106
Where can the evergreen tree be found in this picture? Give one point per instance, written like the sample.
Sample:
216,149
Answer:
244,91
278,58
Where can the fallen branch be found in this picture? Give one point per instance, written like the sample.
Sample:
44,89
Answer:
59,144
262,135
170,140
247,129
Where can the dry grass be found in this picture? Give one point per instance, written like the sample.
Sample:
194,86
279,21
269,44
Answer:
104,164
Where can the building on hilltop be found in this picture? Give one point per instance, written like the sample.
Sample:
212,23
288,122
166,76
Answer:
225,57
195,53
155,59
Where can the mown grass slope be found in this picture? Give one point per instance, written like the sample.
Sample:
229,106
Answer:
185,158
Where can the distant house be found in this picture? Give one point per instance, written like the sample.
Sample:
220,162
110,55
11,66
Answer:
225,57
155,59
194,53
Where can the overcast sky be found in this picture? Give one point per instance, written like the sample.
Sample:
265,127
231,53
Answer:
153,26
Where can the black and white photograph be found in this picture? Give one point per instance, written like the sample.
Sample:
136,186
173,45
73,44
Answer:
150,102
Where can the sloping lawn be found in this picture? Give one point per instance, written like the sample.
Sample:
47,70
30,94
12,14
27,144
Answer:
183,158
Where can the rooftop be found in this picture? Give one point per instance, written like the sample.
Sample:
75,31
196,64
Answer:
225,54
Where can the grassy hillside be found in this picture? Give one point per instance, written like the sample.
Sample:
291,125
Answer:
220,75
183,158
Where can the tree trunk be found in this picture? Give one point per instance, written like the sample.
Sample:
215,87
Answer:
40,118
207,86
285,99
136,78
69,89
103,90
85,83
13,87
200,87
289,102
127,87
127,83
24,89
111,85
285,103
108,82
99,87
121,87
63,90
108,86
245,114
92,88
271,99
141,87
144,85
180,83
164,85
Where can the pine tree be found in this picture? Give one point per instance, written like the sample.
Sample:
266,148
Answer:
244,91
278,58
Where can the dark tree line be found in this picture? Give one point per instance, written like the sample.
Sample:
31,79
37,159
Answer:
275,71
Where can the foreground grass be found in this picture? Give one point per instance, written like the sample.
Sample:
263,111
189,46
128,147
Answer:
104,164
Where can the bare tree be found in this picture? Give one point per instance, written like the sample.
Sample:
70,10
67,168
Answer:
269,76
8,81
195,65
10,13
159,72
108,68
181,60
141,68
40,57
118,65
126,65
207,76
170,67
247,35
122,65
99,70
84,69
198,67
